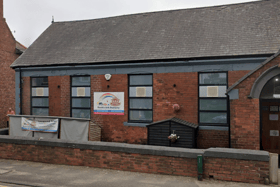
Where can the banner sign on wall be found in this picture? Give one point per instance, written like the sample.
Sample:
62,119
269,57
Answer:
111,103
43,125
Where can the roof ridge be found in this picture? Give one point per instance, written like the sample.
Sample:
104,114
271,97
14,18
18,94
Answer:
167,11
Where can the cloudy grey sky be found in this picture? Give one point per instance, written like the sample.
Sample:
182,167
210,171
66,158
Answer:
29,18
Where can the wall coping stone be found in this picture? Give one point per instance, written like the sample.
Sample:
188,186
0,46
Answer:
239,154
106,146
231,153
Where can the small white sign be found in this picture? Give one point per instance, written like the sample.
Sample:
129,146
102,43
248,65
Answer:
273,109
273,117
274,133
108,76
276,95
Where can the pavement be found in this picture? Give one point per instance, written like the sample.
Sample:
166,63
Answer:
22,173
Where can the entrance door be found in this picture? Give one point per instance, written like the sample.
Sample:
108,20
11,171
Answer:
270,125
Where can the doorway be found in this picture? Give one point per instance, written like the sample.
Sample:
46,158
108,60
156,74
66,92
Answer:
270,125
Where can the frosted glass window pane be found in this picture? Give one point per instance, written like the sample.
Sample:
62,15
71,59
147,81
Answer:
40,111
81,113
213,78
141,103
45,91
81,102
213,104
141,80
221,91
203,91
80,81
141,115
213,117
149,92
75,93
40,102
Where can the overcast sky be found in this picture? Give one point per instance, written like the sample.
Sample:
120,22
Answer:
27,19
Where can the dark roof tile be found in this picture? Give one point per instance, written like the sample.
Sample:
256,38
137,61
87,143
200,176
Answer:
230,30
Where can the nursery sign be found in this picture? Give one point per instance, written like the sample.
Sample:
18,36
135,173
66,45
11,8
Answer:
32,124
109,103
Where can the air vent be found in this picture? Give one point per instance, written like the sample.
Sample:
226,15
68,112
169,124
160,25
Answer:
39,91
212,91
81,92
140,91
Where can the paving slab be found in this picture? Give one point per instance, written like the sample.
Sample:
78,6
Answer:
26,173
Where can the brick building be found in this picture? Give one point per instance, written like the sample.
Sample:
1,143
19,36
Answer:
10,50
206,60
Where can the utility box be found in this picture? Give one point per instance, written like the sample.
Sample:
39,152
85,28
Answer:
200,167
172,132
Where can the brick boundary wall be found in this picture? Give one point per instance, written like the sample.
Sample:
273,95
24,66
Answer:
212,138
239,165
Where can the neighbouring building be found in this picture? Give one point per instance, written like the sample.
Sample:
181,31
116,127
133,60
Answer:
10,50
206,66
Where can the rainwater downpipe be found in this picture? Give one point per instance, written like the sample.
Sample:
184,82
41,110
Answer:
228,120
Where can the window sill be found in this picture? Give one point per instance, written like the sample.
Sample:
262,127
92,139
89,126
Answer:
135,124
220,128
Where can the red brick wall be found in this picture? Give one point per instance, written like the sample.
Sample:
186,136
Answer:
164,96
1,8
65,96
59,96
234,76
113,129
236,170
55,95
7,75
212,138
100,159
219,168
185,94
245,120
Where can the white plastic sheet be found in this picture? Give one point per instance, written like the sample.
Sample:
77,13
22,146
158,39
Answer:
15,127
74,130
45,135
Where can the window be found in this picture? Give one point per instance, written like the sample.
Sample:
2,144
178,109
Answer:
80,97
140,103
213,102
39,96
271,90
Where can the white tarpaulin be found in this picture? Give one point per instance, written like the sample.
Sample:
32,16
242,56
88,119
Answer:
74,130
39,124
45,135
15,127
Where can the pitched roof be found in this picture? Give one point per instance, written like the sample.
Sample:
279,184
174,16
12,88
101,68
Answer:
177,120
231,30
20,48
